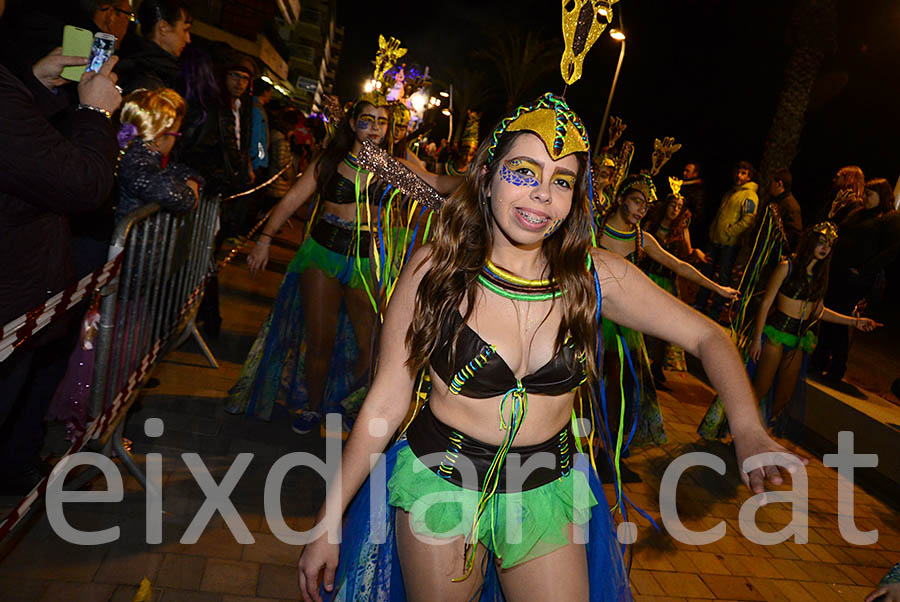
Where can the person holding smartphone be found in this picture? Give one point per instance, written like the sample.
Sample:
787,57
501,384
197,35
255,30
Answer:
44,176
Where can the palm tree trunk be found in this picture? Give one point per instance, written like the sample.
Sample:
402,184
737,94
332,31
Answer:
813,32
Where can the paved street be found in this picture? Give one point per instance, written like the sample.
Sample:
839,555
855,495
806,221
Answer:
217,568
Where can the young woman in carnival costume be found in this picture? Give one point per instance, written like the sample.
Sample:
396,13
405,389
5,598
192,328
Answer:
314,350
669,223
621,234
783,337
502,310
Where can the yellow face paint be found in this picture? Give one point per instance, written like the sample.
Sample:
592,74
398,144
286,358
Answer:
565,180
521,172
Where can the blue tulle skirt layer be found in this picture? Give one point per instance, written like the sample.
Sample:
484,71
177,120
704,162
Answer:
274,370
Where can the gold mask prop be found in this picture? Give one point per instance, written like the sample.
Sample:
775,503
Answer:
662,152
582,23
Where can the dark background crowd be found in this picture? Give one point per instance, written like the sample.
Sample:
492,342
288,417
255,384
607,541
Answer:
62,193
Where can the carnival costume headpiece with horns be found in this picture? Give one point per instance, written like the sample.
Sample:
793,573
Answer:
828,230
639,182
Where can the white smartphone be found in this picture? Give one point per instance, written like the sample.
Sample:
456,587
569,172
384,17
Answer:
103,47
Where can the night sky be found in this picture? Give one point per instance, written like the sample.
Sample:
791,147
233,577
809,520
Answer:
707,72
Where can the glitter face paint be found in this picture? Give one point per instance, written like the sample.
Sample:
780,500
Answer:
554,226
516,172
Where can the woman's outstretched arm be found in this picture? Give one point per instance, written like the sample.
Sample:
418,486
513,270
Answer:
684,269
633,300
302,190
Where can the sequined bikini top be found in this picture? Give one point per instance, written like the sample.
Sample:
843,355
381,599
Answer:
479,371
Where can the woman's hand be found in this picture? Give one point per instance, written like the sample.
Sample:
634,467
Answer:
756,348
754,442
729,293
318,556
866,324
99,89
48,70
885,593
192,184
258,257
699,256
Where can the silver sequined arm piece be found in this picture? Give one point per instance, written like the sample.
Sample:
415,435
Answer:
388,169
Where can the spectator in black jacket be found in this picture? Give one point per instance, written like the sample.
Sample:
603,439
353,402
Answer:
43,176
151,59
788,207
694,198
867,244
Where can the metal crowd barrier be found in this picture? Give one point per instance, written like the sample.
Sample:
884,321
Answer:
165,262
150,291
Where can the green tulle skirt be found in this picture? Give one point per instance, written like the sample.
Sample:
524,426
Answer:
516,527
807,342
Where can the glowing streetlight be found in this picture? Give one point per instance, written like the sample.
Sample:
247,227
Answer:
418,102
444,94
618,35
446,112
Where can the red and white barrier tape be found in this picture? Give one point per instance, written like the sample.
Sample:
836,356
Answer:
25,326
96,428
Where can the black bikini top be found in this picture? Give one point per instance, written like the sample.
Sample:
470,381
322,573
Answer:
479,371
797,288
341,190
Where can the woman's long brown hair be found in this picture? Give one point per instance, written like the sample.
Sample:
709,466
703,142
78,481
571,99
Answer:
462,245
805,252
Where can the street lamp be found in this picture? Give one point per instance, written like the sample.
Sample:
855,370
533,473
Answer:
444,93
618,35
446,112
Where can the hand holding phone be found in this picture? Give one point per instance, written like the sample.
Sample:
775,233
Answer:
99,89
49,69
103,47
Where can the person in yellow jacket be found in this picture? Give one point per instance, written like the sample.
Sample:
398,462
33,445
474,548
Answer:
735,216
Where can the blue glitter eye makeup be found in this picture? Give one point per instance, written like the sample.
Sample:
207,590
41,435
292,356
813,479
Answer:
517,178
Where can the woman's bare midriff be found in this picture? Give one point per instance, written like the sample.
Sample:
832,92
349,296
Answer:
796,308
480,418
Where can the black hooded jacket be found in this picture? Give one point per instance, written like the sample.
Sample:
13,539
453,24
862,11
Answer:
144,64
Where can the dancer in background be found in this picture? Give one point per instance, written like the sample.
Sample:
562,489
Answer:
621,234
783,338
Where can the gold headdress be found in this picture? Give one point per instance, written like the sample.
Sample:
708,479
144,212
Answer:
389,52
581,26
828,230
675,185
642,183
550,118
